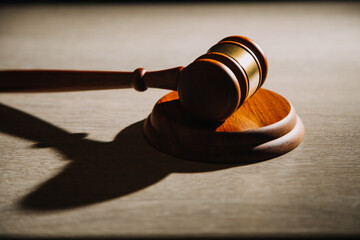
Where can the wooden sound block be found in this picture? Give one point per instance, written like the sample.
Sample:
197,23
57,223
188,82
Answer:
266,126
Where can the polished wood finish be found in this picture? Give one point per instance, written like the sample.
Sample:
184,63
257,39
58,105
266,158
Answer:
61,80
165,79
266,126
217,83
211,88
75,80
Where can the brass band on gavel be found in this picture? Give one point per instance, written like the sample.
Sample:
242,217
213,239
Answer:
231,71
247,61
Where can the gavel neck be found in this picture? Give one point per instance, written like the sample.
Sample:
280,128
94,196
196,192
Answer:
164,79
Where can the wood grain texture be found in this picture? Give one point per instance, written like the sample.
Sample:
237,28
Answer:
266,126
56,181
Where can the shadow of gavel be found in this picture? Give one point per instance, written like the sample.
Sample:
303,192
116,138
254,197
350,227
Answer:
211,88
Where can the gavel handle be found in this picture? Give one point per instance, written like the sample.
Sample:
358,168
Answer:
75,80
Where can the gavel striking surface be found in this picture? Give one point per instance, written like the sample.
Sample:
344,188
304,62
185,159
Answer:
266,126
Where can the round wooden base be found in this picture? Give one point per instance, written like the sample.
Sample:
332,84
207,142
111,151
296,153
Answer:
266,126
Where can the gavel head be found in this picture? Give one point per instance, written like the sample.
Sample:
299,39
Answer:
217,83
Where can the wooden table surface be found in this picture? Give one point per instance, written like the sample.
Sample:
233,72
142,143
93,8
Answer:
76,164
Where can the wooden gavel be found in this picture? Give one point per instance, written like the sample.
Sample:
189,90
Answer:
211,88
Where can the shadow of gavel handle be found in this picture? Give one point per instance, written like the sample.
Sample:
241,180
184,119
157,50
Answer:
75,80
211,88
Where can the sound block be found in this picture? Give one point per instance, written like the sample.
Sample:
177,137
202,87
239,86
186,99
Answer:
264,127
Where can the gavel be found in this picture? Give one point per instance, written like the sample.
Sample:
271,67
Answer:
211,88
